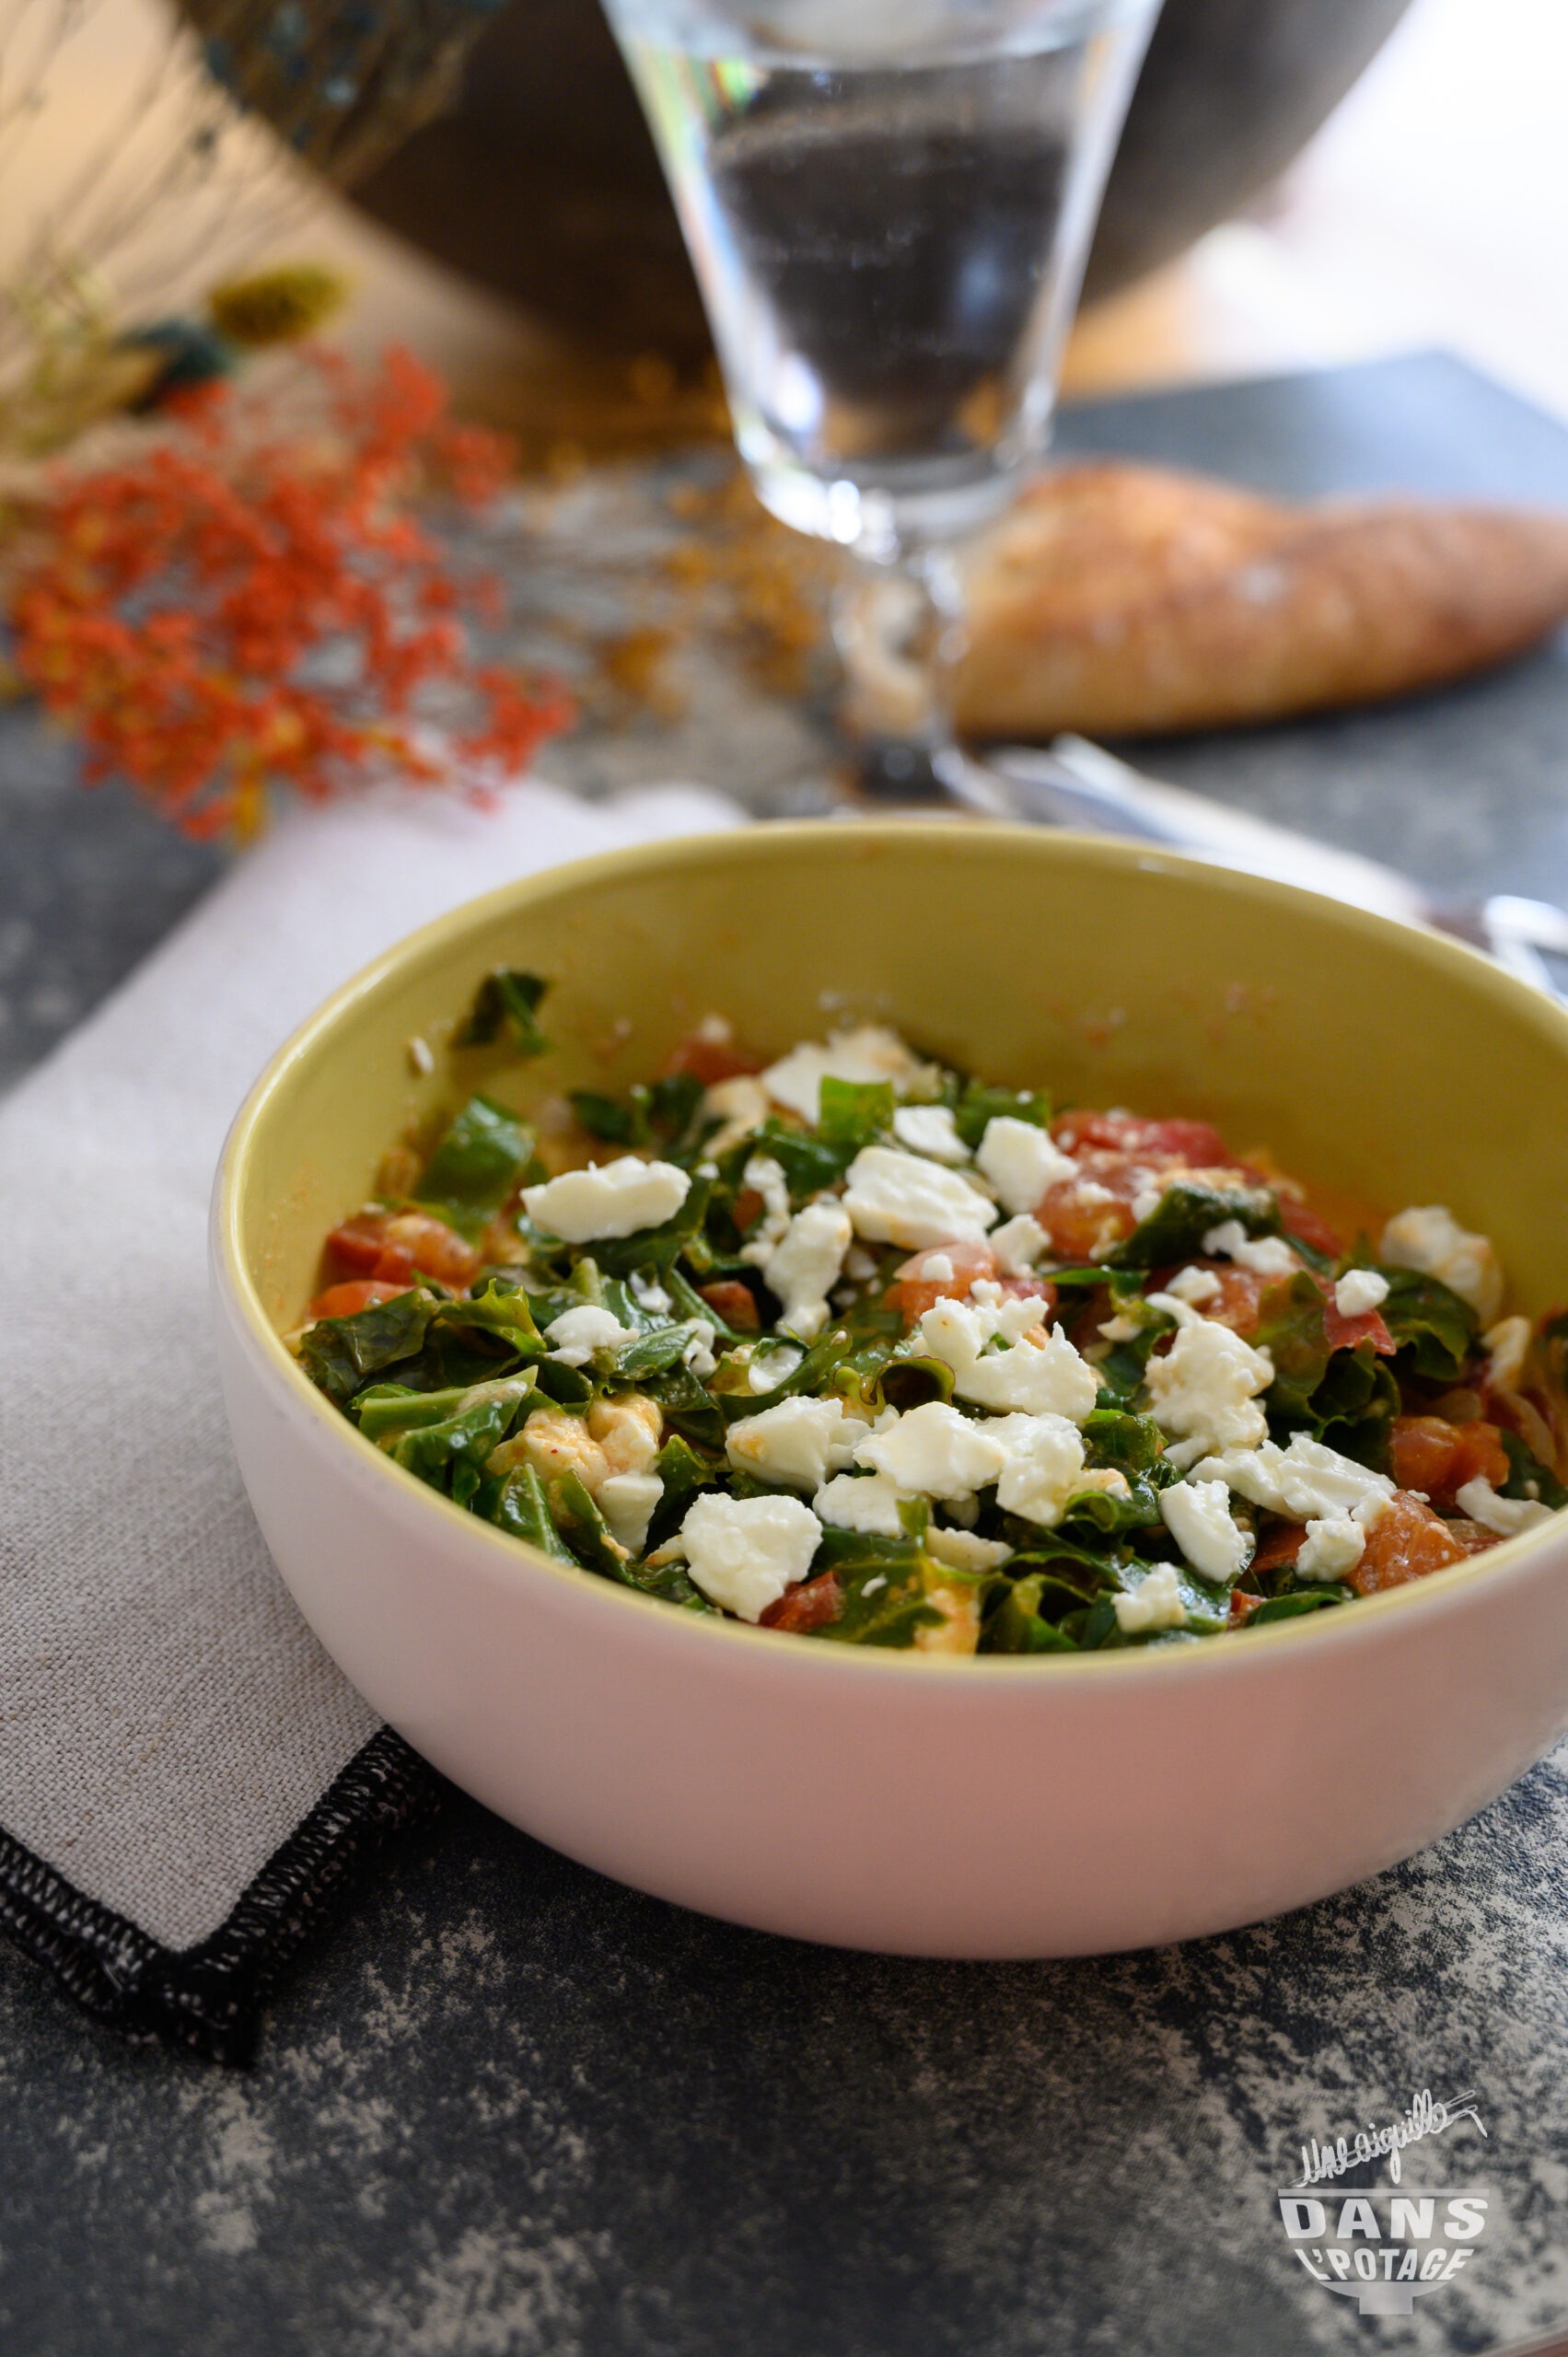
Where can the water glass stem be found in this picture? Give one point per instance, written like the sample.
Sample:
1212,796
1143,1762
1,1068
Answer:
899,629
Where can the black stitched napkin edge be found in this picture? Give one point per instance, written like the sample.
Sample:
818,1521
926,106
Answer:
207,2000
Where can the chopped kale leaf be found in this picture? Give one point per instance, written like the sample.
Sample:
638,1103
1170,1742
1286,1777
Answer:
1175,1229
482,1157
506,1007
978,1105
1434,1331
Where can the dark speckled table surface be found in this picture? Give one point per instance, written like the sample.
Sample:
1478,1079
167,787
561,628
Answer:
505,2107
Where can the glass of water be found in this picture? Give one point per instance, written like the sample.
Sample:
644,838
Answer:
888,204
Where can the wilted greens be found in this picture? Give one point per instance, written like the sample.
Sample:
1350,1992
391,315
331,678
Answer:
980,1381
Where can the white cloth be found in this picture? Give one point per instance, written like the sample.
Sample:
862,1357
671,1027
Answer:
166,1717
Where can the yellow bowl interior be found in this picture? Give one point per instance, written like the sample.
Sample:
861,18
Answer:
1388,1066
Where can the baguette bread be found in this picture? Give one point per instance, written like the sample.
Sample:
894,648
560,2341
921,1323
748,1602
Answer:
1118,599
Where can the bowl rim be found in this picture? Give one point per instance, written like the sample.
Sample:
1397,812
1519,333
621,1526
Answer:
504,1553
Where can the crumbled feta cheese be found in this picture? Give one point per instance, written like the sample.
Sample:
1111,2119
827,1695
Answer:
1202,1393
555,1443
1120,1328
744,1553
866,1501
928,1129
798,1443
805,1263
1358,1291
624,1196
1146,1202
1182,1311
1306,1480
765,1177
1021,1160
933,1451
1266,1256
1018,1243
859,1264
1198,1516
771,1365
870,1053
698,1353
872,1586
1507,1516
965,1326
1508,1348
739,1106
964,1551
1429,1239
1334,1545
650,1295
1195,1286
619,1435
627,1501
1155,1604
1030,1376
576,1334
937,1269
897,1198
1044,1469
627,1430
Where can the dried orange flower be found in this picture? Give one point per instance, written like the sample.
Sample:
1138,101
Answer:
248,602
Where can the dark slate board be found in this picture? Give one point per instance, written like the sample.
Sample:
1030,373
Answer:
506,2107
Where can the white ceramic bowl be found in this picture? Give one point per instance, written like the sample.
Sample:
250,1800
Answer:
986,1807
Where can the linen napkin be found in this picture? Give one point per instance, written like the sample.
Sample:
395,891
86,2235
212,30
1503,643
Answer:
185,1776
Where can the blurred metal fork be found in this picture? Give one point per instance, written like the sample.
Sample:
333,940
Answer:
1074,784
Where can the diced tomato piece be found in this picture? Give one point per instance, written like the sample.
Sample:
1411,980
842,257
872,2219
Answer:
734,1303
1238,1302
1242,1606
1421,1451
434,1248
1281,1543
1079,1224
1348,1333
913,1294
421,1240
709,1060
1188,1142
359,1243
810,1606
749,1208
1481,1456
1300,1221
395,1265
1428,1453
1074,1130
1473,1536
1344,1333
1405,1542
348,1300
